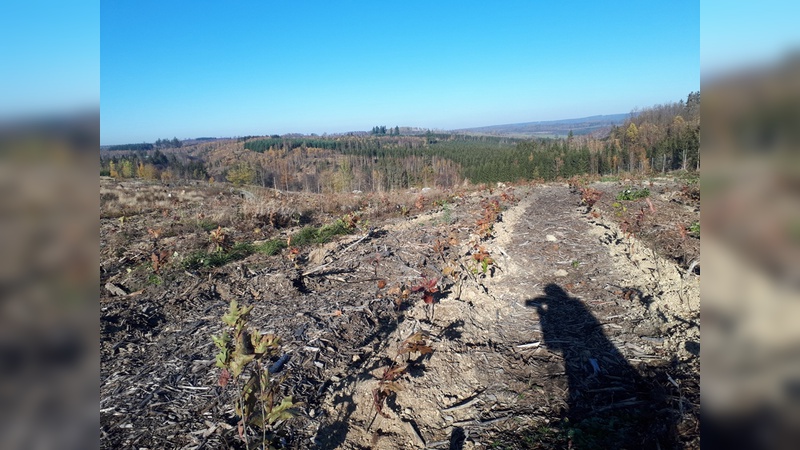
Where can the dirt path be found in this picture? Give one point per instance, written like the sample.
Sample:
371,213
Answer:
576,335
562,327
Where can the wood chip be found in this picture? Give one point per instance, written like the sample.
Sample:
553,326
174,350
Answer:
115,290
530,345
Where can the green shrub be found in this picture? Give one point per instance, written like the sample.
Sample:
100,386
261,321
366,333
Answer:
633,194
695,229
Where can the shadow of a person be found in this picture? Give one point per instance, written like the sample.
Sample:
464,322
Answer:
610,405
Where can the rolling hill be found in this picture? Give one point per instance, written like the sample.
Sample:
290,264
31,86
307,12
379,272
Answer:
584,125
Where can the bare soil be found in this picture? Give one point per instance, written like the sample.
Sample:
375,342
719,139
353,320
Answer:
581,332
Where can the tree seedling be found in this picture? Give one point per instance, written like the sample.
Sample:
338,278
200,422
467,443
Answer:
416,343
589,197
388,383
490,214
157,259
439,248
420,203
219,239
481,256
387,386
428,288
243,356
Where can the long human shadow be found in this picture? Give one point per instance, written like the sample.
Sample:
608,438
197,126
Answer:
610,404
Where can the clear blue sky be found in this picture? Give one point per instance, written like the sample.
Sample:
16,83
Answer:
230,68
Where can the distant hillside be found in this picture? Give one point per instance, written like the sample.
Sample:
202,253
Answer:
552,128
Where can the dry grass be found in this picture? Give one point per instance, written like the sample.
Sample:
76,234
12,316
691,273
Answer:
275,209
135,197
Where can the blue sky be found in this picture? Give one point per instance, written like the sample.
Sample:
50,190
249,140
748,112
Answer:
231,68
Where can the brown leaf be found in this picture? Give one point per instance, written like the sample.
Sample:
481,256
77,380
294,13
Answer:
682,231
391,386
378,397
420,348
394,372
155,260
224,378
419,336
480,256
381,284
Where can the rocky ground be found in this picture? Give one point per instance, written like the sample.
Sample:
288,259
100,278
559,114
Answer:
563,317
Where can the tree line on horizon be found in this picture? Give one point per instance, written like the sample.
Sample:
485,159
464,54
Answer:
144,146
660,138
381,131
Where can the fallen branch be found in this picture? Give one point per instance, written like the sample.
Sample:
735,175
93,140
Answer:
466,404
318,268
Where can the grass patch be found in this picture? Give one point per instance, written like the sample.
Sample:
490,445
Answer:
320,235
203,260
241,250
633,194
206,225
271,247
327,232
306,236
196,260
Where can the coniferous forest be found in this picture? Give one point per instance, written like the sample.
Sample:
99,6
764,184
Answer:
657,139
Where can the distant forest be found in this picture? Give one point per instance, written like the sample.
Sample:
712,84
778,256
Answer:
661,138
159,144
